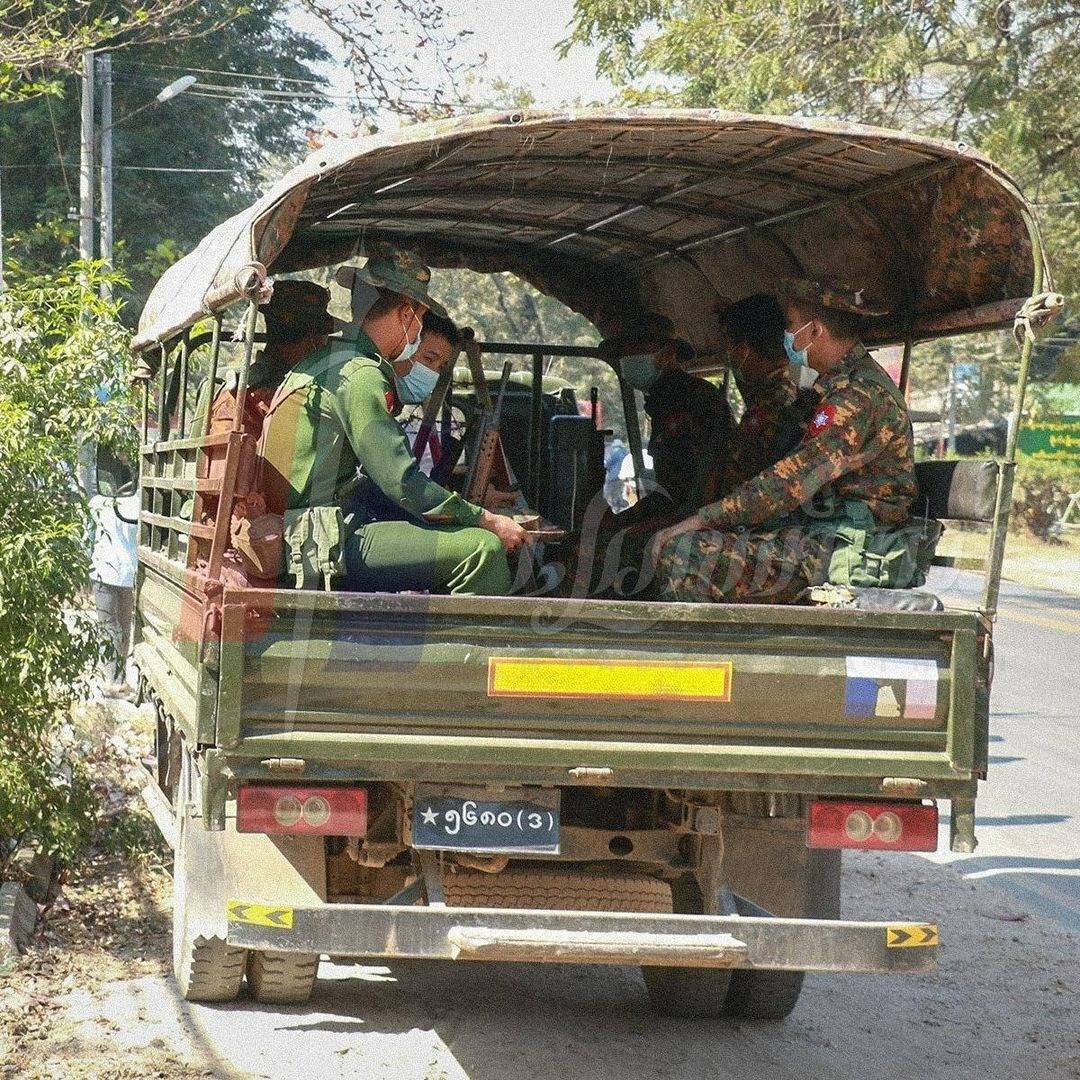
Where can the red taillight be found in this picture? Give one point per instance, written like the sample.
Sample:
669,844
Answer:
305,811
884,826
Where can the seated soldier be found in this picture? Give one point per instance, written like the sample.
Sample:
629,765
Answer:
297,323
752,331
853,475
334,415
440,343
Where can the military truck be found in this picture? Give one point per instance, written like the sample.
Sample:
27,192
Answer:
549,777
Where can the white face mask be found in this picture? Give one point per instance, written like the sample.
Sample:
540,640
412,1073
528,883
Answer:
408,350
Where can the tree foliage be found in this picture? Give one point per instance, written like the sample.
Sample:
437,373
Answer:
997,74
40,39
60,345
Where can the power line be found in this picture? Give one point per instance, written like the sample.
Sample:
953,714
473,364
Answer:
220,71
317,94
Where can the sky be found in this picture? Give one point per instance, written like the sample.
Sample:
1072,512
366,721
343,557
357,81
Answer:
518,38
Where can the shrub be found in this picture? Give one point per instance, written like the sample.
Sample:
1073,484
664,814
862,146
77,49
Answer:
60,345
1038,505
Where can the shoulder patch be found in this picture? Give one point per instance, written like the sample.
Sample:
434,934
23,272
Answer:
822,418
391,401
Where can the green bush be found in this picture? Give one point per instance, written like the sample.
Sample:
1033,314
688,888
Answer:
60,345
1041,494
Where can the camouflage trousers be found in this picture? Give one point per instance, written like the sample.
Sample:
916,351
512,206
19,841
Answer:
770,567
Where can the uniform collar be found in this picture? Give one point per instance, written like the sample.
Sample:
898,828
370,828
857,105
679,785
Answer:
848,361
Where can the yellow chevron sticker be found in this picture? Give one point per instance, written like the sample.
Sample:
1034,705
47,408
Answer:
658,680
911,936
281,918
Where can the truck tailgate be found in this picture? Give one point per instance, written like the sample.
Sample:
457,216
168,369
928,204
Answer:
689,695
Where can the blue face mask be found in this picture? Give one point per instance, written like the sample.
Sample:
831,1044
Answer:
639,371
796,356
416,384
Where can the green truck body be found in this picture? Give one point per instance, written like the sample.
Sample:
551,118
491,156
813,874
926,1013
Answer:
687,759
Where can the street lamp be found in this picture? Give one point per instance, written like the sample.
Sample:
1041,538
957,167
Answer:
167,93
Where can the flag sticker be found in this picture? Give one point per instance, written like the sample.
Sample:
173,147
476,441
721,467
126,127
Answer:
891,687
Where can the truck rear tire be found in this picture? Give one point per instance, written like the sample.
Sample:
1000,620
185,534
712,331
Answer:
281,978
557,888
690,993
206,968
763,995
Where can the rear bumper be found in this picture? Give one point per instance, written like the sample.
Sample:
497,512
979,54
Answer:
721,941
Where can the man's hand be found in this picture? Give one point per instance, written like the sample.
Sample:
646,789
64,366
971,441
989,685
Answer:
690,524
509,532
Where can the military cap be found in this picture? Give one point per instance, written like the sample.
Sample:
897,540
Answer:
398,271
298,308
645,328
833,295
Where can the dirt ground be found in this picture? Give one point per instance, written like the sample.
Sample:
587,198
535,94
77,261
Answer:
1044,566
93,999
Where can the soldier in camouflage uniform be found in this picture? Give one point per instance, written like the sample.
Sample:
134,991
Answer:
768,540
770,428
334,415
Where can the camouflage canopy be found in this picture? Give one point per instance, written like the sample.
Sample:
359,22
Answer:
665,211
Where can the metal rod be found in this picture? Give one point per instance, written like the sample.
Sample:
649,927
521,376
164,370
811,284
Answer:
919,172
1003,506
163,391
633,430
249,349
521,348
215,352
106,224
905,367
536,421
145,409
185,357
86,160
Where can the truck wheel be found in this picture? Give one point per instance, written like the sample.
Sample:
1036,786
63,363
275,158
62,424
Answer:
281,978
558,888
691,993
763,995
206,968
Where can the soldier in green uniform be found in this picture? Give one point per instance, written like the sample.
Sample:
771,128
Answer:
331,435
752,330
853,476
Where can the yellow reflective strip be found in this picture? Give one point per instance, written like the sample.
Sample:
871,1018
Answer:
911,936
658,680
259,914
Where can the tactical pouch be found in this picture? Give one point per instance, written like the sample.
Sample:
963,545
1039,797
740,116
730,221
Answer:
314,546
865,555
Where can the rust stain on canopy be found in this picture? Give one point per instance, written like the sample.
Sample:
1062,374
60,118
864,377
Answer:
668,211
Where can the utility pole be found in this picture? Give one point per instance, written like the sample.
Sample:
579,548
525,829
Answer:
86,160
106,238
2,284
952,408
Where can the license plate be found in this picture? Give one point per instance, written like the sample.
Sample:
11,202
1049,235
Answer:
461,819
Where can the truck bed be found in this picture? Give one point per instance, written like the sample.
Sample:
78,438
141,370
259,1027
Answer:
467,689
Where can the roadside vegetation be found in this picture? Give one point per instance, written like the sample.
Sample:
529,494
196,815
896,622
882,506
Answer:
62,360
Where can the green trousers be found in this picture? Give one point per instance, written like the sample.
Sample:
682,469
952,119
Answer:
390,556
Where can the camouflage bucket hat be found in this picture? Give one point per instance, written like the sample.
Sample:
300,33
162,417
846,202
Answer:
830,294
402,272
298,308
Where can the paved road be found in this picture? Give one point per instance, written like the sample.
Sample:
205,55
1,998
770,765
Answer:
1028,811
